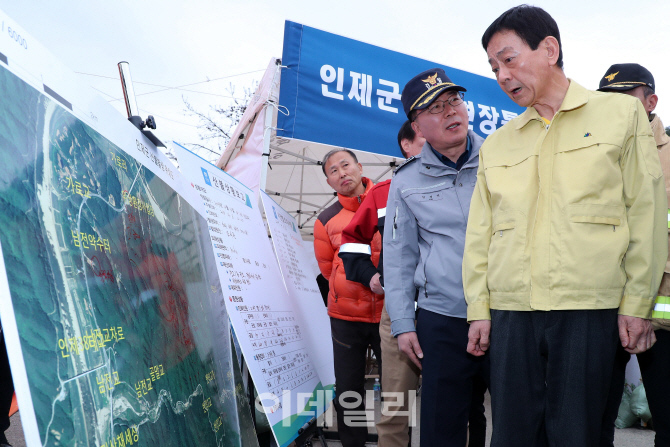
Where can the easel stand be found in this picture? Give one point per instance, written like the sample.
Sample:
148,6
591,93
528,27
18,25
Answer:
308,432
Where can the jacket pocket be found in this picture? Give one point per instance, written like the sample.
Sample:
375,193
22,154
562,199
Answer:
506,252
435,207
334,280
344,345
421,276
587,167
594,240
614,221
511,178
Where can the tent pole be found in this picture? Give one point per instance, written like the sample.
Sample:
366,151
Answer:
302,179
277,148
267,126
382,174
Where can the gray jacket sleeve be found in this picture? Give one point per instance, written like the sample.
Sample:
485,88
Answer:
401,257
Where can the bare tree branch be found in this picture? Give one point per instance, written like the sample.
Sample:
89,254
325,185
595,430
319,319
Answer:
220,121
200,146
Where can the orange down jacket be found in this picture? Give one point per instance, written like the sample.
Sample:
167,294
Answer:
347,300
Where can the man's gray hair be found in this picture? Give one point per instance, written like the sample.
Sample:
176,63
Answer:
333,152
646,90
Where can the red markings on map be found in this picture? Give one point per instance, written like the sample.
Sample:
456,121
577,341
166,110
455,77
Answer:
104,275
131,234
162,278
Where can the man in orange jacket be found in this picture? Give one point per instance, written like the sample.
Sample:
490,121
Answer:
354,309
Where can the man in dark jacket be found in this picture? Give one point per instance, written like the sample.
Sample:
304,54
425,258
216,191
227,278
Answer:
400,377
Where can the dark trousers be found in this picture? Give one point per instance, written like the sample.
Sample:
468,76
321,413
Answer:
6,389
614,398
550,376
350,343
454,383
655,369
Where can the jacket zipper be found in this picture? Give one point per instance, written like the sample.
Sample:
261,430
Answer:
395,224
425,275
537,202
334,291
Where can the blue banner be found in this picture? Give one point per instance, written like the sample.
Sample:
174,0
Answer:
343,92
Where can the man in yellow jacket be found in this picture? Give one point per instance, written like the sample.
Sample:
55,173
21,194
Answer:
637,81
564,248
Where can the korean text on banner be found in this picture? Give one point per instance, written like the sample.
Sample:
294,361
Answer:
346,93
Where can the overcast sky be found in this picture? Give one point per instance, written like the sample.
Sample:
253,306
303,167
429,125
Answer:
174,43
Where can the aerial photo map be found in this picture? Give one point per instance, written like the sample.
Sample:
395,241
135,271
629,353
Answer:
115,291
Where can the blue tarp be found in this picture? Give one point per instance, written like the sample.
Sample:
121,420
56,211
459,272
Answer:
343,92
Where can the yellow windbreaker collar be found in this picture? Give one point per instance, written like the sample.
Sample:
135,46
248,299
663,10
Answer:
575,97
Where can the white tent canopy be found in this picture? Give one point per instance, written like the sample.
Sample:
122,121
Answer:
298,184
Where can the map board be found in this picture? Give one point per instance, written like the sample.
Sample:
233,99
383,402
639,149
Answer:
271,330
111,301
294,262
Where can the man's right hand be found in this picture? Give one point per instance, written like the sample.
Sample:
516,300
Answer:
376,285
478,337
408,343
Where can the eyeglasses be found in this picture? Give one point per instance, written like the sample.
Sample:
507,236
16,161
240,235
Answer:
438,105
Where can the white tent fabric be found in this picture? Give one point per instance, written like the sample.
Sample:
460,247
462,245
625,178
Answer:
243,155
296,181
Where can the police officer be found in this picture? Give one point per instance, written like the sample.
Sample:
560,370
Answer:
424,236
637,81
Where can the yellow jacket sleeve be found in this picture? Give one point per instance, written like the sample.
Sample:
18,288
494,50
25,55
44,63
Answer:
645,200
477,241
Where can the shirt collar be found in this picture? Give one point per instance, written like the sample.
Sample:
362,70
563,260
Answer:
575,97
465,156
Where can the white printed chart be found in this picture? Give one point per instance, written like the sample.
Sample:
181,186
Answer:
302,287
269,328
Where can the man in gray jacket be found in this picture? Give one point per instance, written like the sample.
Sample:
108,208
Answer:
427,213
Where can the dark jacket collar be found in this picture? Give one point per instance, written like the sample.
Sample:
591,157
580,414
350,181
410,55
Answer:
431,165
